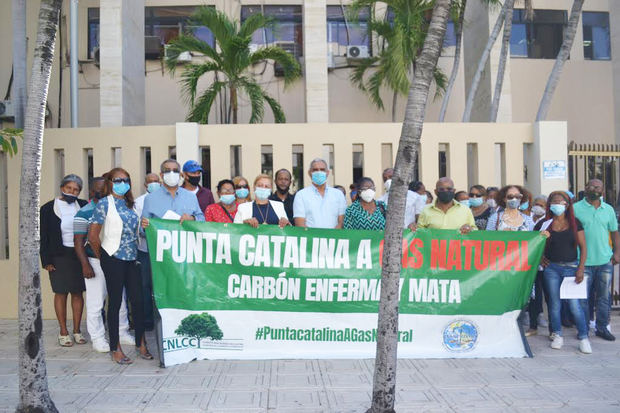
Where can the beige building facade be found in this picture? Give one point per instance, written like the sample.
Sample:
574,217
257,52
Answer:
586,96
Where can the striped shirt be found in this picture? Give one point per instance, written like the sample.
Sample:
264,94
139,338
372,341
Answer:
82,221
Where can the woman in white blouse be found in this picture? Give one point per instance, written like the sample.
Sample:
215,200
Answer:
262,210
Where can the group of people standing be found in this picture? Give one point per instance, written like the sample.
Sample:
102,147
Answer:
98,246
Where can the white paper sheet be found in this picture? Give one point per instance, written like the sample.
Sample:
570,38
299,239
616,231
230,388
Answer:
170,214
570,289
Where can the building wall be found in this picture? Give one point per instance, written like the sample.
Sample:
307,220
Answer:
584,97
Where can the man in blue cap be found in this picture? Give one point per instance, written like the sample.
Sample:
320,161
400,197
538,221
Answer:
192,172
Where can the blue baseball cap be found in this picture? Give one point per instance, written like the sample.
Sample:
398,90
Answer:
192,166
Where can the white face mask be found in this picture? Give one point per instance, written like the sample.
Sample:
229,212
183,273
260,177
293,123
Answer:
538,211
367,195
491,203
387,184
424,197
171,178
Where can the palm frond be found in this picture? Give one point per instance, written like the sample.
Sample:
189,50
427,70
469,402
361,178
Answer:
357,75
441,82
8,140
190,77
185,43
290,66
199,112
257,101
255,22
276,109
375,81
221,26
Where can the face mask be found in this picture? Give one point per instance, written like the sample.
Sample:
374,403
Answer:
465,203
524,205
120,188
68,198
262,193
557,209
152,187
98,195
171,179
538,211
475,202
227,199
445,197
424,197
193,180
513,203
593,196
367,195
387,184
319,177
242,193
491,203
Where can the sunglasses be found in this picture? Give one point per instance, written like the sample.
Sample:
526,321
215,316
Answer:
121,180
242,186
475,195
518,196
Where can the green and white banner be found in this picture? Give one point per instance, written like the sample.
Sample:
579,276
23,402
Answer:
227,291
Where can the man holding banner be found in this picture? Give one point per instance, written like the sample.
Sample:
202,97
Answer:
445,213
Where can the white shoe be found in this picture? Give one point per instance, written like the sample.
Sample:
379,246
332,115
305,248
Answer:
584,346
557,341
101,345
592,324
609,327
542,321
127,339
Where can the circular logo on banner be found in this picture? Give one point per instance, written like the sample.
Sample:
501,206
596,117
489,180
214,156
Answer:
460,336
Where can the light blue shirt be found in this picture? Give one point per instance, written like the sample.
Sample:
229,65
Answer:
319,211
157,203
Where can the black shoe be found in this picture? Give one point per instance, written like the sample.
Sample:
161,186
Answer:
605,335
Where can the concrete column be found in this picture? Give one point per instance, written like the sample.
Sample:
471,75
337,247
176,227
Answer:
548,169
315,60
614,23
121,40
187,142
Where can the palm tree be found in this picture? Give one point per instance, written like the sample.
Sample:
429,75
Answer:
503,57
384,382
18,94
458,17
402,42
33,390
567,44
229,63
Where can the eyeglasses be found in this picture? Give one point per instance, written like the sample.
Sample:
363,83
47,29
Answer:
472,195
121,180
517,196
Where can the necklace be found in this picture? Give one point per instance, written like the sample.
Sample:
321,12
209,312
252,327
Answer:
260,211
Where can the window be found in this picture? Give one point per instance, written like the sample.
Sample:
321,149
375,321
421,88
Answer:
288,32
343,32
449,39
596,44
163,22
540,38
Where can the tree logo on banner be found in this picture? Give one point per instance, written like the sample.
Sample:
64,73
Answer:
460,335
199,326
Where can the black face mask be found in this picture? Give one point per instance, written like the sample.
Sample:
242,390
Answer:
193,180
68,198
445,197
593,196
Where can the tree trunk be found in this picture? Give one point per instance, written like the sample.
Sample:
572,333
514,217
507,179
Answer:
455,64
469,106
567,44
384,382
33,390
394,102
233,103
18,94
501,69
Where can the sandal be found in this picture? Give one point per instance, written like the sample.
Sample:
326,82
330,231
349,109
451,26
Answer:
124,361
65,341
79,338
145,356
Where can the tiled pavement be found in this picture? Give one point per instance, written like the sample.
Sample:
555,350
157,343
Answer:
83,381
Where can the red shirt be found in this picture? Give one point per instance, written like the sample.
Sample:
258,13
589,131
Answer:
217,213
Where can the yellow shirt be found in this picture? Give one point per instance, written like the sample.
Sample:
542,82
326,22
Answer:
457,216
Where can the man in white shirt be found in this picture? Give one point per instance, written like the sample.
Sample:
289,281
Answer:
414,204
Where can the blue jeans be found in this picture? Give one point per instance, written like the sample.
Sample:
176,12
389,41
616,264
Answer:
599,282
552,278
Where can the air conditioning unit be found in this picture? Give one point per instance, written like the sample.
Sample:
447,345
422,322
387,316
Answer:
152,47
7,112
290,47
357,52
182,58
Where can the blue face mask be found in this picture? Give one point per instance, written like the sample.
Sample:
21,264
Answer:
262,193
524,205
557,209
465,202
475,202
152,187
120,188
319,177
227,199
242,193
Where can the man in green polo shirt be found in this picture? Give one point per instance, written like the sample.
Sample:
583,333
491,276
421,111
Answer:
599,223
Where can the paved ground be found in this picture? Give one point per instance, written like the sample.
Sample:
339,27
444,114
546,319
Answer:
84,381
